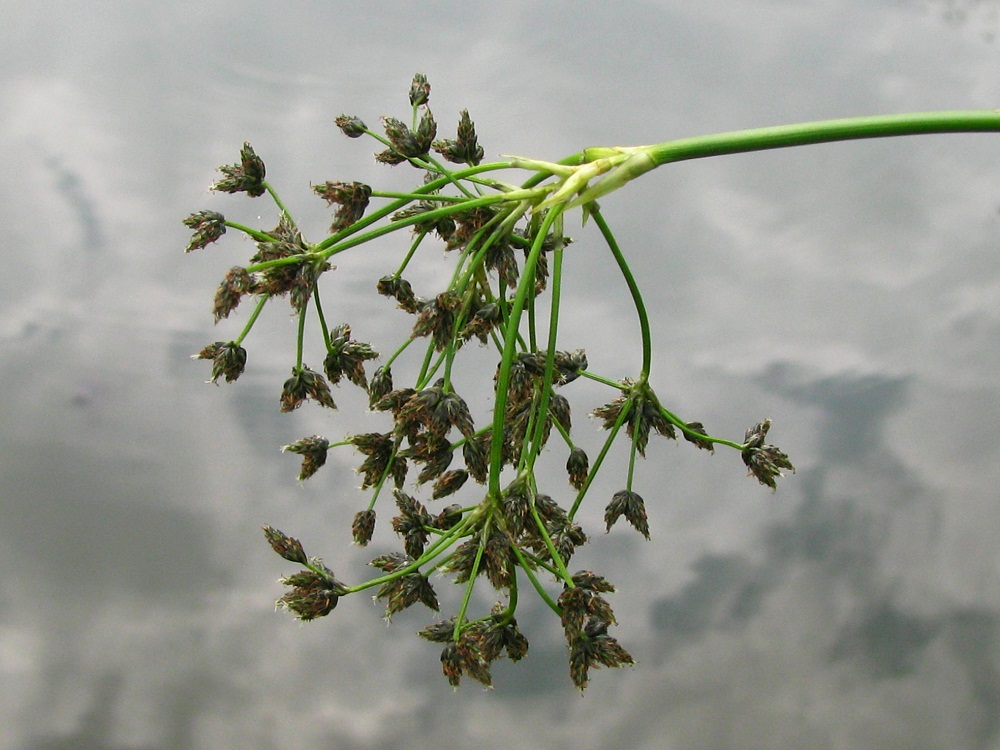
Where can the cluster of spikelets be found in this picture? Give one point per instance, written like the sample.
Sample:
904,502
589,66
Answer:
508,532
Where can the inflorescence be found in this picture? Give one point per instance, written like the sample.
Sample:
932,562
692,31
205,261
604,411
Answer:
508,243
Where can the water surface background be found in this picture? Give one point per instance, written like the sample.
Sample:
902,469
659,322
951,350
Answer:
851,292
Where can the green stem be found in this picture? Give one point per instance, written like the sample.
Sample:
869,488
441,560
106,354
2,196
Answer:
471,584
596,466
433,551
555,287
526,567
322,318
418,196
633,288
274,196
253,319
255,233
549,544
827,131
422,192
525,287
301,336
637,161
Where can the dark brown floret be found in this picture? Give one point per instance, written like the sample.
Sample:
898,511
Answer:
346,357
451,664
498,561
286,243
351,126
391,562
245,177
462,559
504,633
363,526
500,259
595,648
378,450
227,297
313,451
228,360
208,227
629,504
412,524
287,547
351,197
303,384
448,517
449,483
314,592
420,90
399,289
435,453
381,385
439,632
475,451
465,149
470,655
765,462
437,319
485,319
578,468
407,144
405,591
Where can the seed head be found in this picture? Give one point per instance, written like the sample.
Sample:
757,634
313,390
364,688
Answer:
578,468
346,357
286,546
313,451
451,664
629,504
303,384
407,144
593,647
351,126
475,451
380,386
420,90
363,527
351,197
449,483
227,297
405,591
412,524
465,149
245,177
765,462
377,448
315,592
228,360
208,226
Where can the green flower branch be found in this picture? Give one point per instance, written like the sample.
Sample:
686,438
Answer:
508,240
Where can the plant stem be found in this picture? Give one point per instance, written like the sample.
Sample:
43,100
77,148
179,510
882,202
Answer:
826,131
253,319
524,289
636,161
633,288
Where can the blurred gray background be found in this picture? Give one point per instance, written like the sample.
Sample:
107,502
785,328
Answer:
849,291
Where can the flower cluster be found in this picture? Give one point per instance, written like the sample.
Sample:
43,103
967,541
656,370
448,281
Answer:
765,462
315,590
586,617
477,646
503,526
